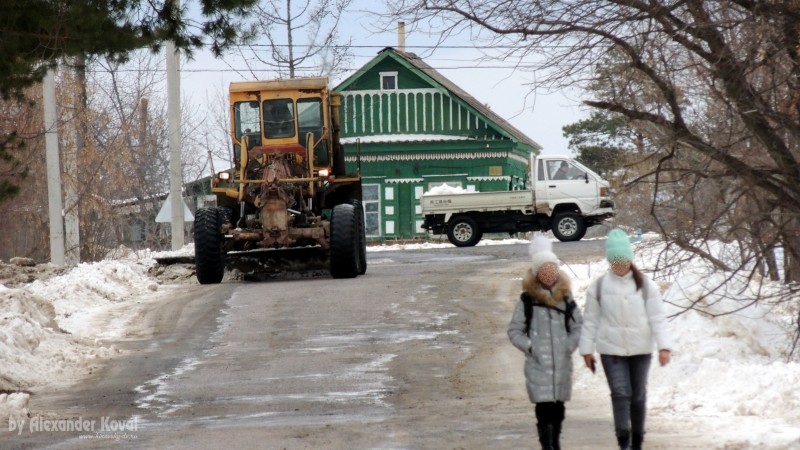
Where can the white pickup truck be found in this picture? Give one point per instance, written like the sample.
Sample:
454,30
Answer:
565,197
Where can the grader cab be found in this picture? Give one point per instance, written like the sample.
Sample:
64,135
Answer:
288,189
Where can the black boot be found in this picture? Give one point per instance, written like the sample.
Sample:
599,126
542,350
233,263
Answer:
624,439
545,435
557,436
636,441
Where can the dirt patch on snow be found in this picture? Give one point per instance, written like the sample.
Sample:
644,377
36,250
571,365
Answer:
15,276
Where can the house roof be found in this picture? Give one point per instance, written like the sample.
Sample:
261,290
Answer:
436,78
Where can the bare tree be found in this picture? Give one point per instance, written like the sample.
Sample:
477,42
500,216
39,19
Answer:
26,227
119,113
713,89
713,84
301,37
131,136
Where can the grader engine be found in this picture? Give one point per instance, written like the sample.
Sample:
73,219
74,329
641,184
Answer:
280,204
288,190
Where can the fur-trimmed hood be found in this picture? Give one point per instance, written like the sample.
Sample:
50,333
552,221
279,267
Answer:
540,294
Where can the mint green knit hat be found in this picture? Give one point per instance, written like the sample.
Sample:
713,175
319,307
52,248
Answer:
618,247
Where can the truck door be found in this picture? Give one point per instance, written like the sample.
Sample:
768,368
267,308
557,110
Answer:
568,183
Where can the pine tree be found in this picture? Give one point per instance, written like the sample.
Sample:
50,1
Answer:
37,34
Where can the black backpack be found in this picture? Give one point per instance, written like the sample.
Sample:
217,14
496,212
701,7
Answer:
529,303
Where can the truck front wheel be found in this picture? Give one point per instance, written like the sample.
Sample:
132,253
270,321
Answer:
463,231
568,227
209,262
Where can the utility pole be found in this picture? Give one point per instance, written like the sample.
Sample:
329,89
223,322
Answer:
53,169
174,124
72,152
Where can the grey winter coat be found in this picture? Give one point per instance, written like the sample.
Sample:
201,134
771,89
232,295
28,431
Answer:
548,346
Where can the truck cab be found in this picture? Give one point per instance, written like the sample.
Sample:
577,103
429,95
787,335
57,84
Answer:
563,186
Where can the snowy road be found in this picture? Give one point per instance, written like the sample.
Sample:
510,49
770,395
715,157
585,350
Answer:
412,355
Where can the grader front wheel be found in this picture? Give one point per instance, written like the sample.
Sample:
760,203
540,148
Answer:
208,259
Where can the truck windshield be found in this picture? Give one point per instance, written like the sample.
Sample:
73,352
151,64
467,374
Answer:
279,118
561,169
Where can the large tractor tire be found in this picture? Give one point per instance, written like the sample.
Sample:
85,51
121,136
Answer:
362,232
463,231
209,261
568,227
345,242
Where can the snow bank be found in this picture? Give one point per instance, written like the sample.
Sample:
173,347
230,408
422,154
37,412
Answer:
52,330
730,353
444,244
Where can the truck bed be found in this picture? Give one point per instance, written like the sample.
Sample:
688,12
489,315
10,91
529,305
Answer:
478,201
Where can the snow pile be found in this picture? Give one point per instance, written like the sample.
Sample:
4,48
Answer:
52,329
186,250
445,189
730,355
445,244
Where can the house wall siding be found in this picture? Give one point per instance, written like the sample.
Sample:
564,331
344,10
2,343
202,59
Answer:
410,111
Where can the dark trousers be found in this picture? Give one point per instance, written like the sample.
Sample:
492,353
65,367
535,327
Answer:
550,412
627,379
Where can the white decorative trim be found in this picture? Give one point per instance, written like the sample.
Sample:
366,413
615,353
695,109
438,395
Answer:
427,156
394,138
497,178
446,175
403,180
519,159
374,92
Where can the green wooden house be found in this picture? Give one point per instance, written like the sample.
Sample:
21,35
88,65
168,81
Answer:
414,130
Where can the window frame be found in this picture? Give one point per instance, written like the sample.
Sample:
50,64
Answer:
377,212
386,75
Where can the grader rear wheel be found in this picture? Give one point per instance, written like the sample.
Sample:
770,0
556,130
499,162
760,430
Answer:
345,242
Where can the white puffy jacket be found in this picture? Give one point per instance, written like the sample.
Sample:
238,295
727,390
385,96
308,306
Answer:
623,323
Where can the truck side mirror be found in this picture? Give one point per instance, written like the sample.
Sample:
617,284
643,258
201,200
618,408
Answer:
586,176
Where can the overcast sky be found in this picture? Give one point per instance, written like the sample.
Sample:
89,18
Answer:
510,93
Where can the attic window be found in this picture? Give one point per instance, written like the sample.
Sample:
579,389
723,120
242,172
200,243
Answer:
388,81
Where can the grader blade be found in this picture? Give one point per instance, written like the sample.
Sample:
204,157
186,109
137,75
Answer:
266,264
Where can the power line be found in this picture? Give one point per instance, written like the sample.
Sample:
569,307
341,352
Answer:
245,70
425,47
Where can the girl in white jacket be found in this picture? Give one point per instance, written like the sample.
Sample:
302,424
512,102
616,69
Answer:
624,321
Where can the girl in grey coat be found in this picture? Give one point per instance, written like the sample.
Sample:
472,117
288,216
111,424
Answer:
547,333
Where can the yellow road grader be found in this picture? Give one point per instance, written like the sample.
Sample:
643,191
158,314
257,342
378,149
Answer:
288,192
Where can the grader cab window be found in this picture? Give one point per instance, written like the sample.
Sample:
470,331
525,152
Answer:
309,113
279,118
247,123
